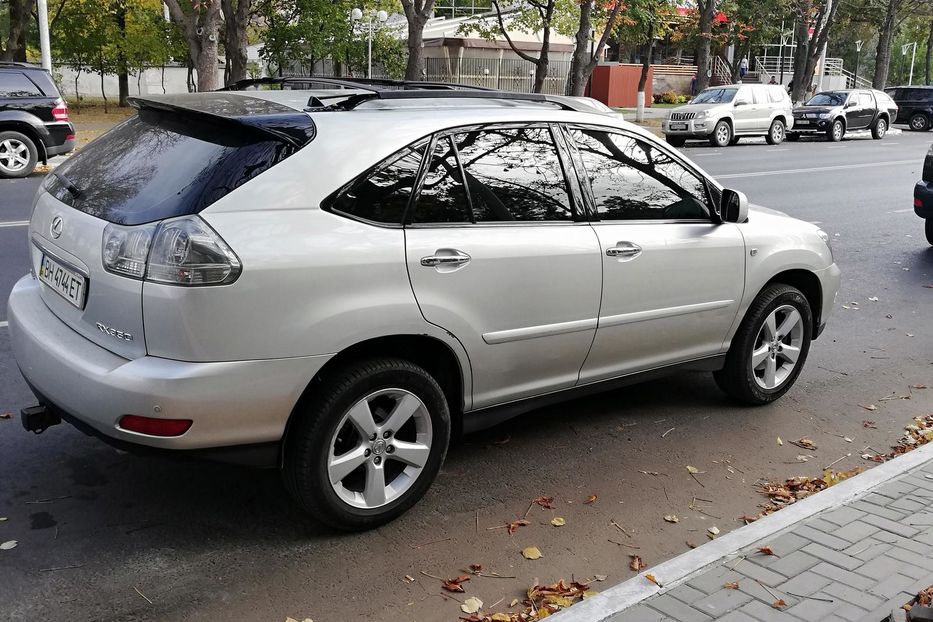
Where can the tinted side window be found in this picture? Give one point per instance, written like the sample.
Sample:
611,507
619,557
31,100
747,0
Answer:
761,94
442,197
777,95
925,95
382,196
15,84
633,180
514,174
864,99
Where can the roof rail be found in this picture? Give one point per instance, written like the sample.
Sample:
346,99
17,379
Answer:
352,83
11,63
355,100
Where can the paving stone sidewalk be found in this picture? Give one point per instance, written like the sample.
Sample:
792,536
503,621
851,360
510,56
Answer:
853,563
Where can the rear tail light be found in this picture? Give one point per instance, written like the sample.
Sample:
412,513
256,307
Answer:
918,202
182,251
60,111
154,427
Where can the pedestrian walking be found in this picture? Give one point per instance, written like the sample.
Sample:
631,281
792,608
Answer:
743,68
693,84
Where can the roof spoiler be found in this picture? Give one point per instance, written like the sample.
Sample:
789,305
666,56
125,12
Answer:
270,120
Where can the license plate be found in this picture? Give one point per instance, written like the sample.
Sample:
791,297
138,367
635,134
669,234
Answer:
678,126
66,282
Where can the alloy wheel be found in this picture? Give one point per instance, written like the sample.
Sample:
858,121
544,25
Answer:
777,347
380,448
837,131
918,122
882,128
722,134
777,132
14,155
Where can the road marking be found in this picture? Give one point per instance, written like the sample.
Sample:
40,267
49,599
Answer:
816,222
838,167
901,211
4,324
14,223
700,155
778,149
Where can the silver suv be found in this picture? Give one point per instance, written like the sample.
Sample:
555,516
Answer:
724,114
336,282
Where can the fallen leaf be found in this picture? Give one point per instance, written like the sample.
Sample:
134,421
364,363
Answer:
545,502
918,386
471,605
690,544
501,617
779,441
779,603
869,424
476,567
9,544
532,552
806,443
590,499
802,458
3,519
6,415
873,299
637,563
847,439
652,578
747,519
453,585
766,550
692,469
732,585
869,407
713,530
600,577
557,521
514,602
515,524
672,518
649,472
590,594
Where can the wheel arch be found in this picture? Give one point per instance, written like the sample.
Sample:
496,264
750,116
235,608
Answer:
10,122
434,355
808,284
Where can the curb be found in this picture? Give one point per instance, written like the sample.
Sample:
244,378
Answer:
676,570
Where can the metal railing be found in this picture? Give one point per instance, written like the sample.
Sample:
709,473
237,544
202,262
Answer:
856,82
507,74
675,70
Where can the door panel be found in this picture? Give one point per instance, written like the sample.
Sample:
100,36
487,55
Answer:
744,115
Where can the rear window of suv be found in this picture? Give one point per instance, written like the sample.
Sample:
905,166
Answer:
16,84
160,165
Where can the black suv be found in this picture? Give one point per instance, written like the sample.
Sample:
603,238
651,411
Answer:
834,113
916,104
34,121
923,195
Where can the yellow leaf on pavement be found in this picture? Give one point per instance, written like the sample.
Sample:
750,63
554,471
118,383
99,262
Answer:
532,552
471,605
557,521
693,469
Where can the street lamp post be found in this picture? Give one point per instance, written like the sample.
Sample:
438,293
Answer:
858,56
913,56
379,16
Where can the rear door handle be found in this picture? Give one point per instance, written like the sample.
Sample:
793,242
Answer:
446,257
624,250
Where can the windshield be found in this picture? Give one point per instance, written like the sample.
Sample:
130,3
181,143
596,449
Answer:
828,99
715,96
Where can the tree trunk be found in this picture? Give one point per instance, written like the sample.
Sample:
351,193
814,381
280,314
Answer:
77,69
929,54
581,53
16,39
883,51
643,79
414,69
235,22
707,10
123,78
800,60
541,67
201,27
100,72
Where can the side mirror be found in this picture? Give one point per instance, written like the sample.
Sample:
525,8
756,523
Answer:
733,206
740,102
851,104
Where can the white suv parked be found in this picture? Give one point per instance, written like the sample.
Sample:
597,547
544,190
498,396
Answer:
724,114
335,282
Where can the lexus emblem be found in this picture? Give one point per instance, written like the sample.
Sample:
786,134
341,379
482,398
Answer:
57,225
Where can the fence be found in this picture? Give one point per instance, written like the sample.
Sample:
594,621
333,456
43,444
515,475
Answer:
506,74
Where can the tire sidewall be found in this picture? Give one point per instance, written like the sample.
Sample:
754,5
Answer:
881,128
30,147
312,440
791,297
832,131
919,127
714,137
770,137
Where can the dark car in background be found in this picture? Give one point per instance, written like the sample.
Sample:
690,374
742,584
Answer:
923,195
835,113
34,122
916,105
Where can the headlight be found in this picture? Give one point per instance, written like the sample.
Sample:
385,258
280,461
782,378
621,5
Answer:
702,114
826,239
824,115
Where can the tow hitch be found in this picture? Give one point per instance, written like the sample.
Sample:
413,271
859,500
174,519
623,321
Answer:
37,418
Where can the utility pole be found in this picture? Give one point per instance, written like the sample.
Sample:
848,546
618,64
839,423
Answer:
858,55
819,82
42,8
913,56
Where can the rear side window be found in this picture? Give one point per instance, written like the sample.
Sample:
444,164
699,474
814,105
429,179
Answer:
161,165
777,95
16,84
514,175
382,196
865,99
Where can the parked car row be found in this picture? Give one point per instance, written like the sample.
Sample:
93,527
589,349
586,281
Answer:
723,115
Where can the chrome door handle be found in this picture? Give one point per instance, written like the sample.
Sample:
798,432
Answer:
625,250
445,257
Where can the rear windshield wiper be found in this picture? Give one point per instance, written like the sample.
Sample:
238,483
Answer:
68,185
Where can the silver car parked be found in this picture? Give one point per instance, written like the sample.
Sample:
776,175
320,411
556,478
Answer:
724,114
334,283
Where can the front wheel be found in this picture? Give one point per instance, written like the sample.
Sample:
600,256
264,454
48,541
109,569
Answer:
770,347
18,155
675,141
879,129
776,133
836,131
722,134
368,444
929,229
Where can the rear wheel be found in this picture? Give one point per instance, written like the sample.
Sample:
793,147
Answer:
770,347
919,122
675,141
776,133
18,155
836,131
879,129
722,134
929,229
368,445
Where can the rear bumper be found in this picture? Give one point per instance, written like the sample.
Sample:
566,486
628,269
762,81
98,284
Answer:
66,147
923,199
234,403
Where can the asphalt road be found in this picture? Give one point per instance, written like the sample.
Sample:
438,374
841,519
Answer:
101,534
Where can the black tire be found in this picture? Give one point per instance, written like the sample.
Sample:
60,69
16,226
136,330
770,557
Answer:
928,229
310,436
12,146
919,122
792,137
776,133
879,129
836,131
737,378
722,134
675,141
735,141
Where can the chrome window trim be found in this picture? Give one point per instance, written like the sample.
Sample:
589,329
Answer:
68,264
